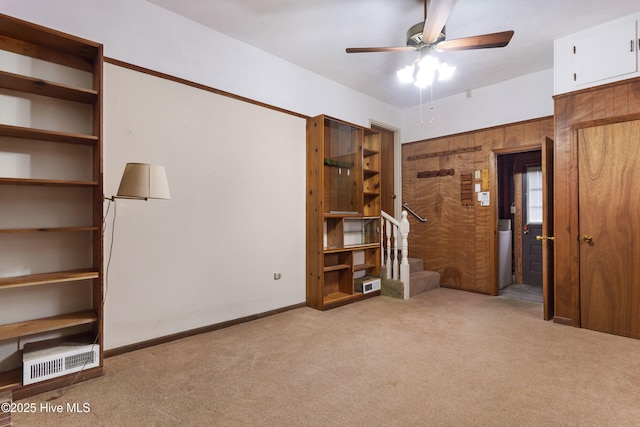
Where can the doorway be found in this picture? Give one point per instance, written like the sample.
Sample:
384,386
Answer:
520,211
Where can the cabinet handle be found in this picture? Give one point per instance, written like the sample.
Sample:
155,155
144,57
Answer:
631,45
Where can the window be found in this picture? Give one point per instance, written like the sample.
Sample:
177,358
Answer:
533,196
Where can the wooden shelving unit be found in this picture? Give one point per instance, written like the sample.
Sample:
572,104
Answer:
371,171
67,58
46,278
343,210
47,135
37,326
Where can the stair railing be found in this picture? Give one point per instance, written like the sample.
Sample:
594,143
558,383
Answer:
418,217
396,264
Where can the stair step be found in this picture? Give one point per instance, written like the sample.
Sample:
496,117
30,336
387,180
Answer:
415,264
392,288
423,281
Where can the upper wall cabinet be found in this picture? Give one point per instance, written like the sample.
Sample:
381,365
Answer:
596,56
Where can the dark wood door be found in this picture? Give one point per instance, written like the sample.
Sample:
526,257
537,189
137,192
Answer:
609,202
532,204
532,255
547,230
387,189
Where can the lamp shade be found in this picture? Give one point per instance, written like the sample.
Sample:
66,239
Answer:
144,181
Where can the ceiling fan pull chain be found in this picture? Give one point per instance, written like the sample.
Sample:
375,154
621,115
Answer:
432,118
421,122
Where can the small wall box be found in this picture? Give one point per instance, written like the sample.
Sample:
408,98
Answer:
366,284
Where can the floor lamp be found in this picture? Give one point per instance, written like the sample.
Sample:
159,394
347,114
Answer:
142,181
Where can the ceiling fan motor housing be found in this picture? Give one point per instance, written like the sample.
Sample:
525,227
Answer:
414,36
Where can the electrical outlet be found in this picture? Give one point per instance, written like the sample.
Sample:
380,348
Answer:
277,276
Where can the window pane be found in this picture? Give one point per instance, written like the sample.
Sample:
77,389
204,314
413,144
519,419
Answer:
534,194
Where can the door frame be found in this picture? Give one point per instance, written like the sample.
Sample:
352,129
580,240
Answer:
493,185
546,148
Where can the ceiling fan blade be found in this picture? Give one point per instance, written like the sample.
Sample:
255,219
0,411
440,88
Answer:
379,49
484,41
438,12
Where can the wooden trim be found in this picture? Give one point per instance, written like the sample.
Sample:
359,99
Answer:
445,153
192,332
199,86
47,230
563,321
328,305
599,87
475,131
56,383
493,286
603,122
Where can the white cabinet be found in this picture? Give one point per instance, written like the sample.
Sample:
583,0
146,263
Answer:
599,55
606,53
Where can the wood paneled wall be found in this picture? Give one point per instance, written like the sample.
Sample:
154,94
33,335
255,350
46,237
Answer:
459,241
601,105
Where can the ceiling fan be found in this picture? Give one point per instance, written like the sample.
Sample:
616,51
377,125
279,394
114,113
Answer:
430,34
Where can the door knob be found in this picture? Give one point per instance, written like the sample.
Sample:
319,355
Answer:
545,238
587,238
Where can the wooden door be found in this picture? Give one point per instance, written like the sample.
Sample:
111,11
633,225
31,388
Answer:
609,202
547,229
387,188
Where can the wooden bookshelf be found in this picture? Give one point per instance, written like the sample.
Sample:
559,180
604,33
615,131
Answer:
343,210
78,111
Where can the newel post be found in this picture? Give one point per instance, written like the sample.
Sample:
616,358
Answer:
404,246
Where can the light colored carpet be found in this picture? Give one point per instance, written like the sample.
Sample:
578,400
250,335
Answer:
442,358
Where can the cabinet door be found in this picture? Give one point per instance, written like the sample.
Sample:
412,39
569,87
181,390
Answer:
607,53
343,168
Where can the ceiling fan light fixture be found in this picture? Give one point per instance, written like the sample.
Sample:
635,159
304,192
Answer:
424,78
423,75
405,75
445,71
429,63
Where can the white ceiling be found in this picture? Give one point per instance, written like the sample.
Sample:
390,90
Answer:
314,34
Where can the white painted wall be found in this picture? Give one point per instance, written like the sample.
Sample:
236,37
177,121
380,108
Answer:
144,34
511,101
236,214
